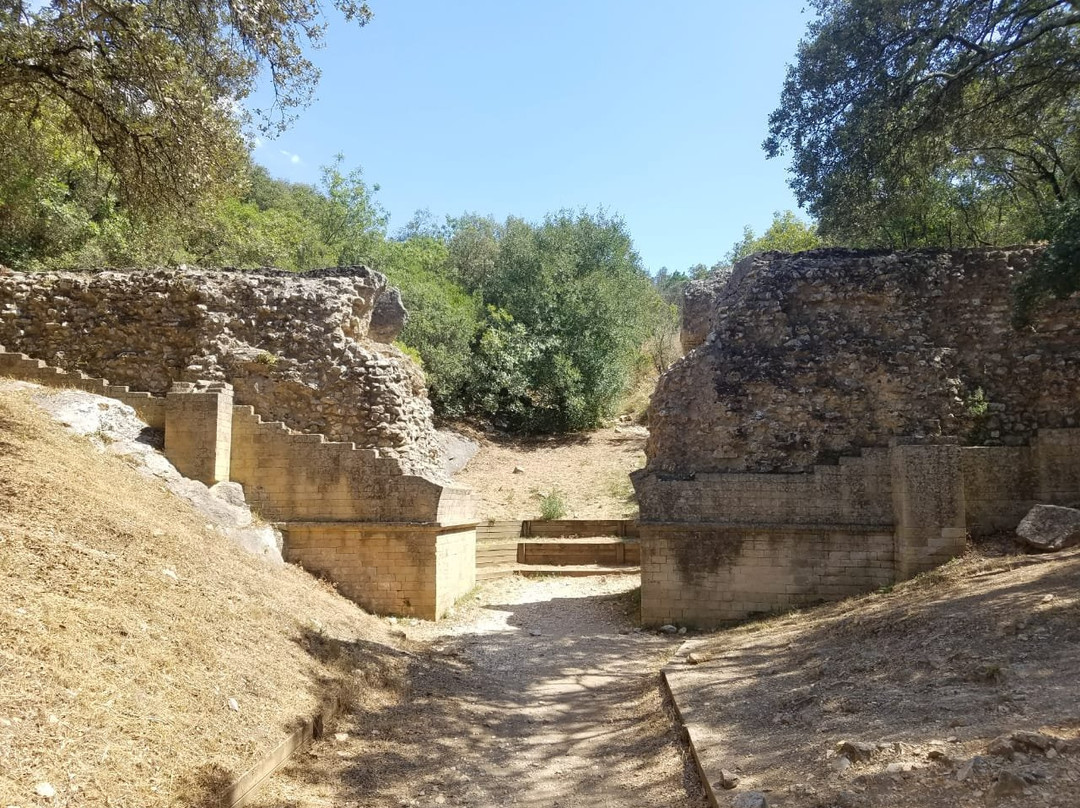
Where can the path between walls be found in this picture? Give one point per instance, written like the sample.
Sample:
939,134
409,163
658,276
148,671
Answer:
537,692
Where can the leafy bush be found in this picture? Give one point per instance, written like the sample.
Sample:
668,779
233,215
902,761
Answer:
1057,275
552,505
569,308
443,319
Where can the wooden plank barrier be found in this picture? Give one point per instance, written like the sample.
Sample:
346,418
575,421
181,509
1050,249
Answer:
579,528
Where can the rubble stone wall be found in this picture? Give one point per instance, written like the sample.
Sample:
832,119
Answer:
300,348
844,420
820,354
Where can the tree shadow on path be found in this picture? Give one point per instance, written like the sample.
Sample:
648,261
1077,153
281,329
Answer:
556,708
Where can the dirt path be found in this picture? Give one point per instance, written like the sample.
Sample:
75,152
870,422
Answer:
537,693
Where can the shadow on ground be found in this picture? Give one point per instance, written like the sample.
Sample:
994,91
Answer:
558,708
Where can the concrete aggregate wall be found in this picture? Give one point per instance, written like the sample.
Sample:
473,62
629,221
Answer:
844,420
300,348
820,354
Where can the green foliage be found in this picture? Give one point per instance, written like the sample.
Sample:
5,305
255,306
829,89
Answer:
59,206
570,312
1058,272
349,219
924,122
443,319
670,285
412,353
291,225
976,403
149,88
553,505
787,233
499,375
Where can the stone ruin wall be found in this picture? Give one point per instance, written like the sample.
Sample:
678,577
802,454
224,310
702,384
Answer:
310,349
809,357
395,542
817,442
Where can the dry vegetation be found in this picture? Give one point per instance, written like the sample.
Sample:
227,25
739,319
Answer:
927,674
589,471
127,625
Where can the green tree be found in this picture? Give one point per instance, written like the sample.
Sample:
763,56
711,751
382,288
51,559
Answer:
1058,273
575,288
350,219
443,319
59,208
922,122
151,87
292,225
474,250
787,233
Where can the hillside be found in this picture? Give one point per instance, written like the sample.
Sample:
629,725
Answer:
589,473
957,688
144,660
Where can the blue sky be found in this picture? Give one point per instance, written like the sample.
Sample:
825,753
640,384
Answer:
653,111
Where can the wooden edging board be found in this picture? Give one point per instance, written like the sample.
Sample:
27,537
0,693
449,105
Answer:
244,787
688,730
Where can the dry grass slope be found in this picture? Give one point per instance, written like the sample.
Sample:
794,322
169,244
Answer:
590,471
937,668
127,625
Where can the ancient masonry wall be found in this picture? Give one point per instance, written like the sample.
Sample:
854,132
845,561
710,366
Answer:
311,350
394,542
814,356
759,543
844,420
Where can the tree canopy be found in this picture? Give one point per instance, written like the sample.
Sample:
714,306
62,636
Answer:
151,88
927,122
786,233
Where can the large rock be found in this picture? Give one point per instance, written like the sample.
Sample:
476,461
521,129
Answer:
1047,528
388,317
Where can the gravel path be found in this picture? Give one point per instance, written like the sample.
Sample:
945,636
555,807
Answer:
538,692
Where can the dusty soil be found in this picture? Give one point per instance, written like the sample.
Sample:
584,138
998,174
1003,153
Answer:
589,471
536,693
127,624
926,675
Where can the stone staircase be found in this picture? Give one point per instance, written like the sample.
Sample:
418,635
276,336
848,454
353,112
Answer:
150,408
567,547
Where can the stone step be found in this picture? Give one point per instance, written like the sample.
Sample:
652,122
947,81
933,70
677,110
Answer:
578,552
575,570
490,573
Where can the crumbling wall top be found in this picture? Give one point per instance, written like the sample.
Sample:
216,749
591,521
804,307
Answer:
816,355
299,347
